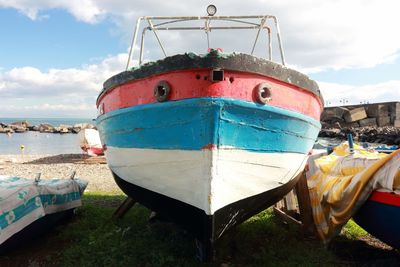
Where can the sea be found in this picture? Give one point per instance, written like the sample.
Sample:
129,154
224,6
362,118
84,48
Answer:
36,143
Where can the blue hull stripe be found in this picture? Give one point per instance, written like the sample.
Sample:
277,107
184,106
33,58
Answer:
192,124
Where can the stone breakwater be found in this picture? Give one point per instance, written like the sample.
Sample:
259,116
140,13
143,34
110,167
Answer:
23,126
372,123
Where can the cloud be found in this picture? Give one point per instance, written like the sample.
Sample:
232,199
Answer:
83,10
337,94
317,35
57,92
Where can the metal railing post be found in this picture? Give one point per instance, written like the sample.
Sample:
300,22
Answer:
131,50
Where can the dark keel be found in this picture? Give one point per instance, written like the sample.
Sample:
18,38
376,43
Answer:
207,229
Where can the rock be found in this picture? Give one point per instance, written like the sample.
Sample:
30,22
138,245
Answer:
64,130
65,126
23,124
324,125
353,124
33,128
377,110
80,126
76,129
383,121
333,114
355,114
397,141
84,126
368,122
46,128
337,125
6,130
331,133
19,129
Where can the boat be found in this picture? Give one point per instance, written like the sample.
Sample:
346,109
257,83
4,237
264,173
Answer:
30,207
208,140
380,216
89,141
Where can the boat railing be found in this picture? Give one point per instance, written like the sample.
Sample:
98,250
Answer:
157,23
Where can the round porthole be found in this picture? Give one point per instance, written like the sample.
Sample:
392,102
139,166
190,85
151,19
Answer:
162,91
263,93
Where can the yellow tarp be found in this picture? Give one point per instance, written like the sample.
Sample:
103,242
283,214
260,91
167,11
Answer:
343,181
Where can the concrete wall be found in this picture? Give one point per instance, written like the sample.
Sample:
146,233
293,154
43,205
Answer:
374,115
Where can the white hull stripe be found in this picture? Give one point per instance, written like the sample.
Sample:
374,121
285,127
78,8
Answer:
206,179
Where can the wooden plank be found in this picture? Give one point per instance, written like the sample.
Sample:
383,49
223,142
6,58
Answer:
286,209
285,217
306,215
290,201
92,160
125,206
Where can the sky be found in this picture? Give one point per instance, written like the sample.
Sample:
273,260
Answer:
56,54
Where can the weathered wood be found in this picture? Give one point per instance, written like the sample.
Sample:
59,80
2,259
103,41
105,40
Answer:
93,160
286,217
287,210
125,206
280,204
303,198
290,204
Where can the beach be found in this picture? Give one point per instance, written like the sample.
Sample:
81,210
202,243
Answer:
94,170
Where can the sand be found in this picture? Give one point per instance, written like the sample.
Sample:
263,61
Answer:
94,170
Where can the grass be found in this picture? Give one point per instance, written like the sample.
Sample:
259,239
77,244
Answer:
92,238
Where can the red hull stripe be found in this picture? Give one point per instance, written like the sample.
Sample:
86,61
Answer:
385,198
196,84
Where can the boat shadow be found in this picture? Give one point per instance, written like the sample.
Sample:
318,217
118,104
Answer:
366,251
68,158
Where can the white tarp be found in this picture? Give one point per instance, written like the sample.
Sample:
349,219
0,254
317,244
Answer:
23,201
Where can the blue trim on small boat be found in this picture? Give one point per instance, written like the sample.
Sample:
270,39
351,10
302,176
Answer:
380,220
34,203
192,124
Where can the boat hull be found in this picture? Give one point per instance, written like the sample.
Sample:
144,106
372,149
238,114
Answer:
208,141
380,216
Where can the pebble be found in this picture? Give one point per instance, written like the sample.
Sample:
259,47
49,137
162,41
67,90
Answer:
60,166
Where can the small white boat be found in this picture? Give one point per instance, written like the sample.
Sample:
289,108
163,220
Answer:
32,206
89,141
